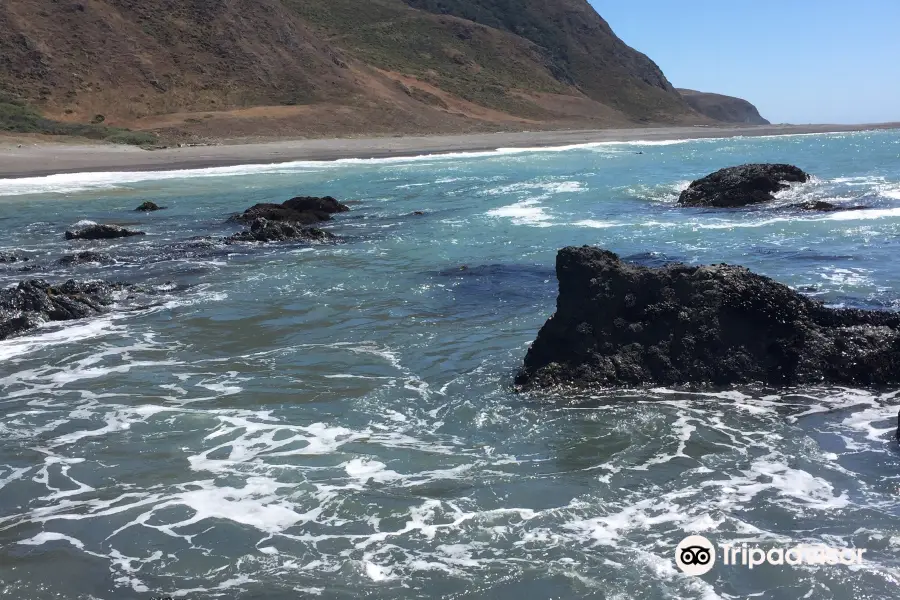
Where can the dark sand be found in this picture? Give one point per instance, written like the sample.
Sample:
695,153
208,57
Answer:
49,158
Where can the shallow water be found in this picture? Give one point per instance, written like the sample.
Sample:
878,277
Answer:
336,421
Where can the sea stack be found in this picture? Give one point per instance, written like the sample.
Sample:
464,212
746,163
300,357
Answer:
734,187
101,232
303,210
620,324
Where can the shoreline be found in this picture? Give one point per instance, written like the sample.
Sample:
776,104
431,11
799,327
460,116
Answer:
50,158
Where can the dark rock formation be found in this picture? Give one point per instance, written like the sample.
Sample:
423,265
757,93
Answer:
326,204
726,109
740,186
101,232
11,257
822,206
618,324
149,206
305,210
263,230
278,212
70,260
35,301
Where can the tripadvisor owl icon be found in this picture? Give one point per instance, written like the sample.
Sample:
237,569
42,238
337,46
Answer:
695,555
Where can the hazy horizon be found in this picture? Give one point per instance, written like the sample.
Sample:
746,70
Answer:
798,62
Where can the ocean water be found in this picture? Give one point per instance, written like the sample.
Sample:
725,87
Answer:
337,421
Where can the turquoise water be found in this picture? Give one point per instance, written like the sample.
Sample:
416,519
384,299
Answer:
337,421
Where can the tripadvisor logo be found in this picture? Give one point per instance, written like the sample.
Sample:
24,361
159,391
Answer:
696,555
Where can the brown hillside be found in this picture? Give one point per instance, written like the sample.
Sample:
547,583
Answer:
580,48
274,68
726,109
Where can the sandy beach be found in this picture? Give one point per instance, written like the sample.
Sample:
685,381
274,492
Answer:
47,158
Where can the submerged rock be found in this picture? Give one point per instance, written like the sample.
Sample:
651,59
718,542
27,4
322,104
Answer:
35,301
70,260
305,210
101,232
263,230
740,186
619,324
149,207
822,206
11,257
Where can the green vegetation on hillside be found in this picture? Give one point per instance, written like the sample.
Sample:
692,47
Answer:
17,117
579,48
476,63
513,16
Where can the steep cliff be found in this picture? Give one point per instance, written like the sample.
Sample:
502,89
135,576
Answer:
726,109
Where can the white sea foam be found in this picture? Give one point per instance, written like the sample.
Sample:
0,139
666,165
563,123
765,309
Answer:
861,215
524,212
454,536
49,536
594,224
54,333
74,182
732,224
548,188
854,181
852,277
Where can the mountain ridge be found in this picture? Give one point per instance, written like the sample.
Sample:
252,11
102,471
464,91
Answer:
213,69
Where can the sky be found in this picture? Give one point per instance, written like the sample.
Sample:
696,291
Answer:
798,61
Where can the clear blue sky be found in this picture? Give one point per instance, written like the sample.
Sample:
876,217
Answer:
798,61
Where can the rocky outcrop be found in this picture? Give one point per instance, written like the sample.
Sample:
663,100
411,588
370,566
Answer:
35,301
149,207
263,230
822,206
11,257
101,232
277,212
305,210
618,324
81,258
324,205
726,109
741,186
